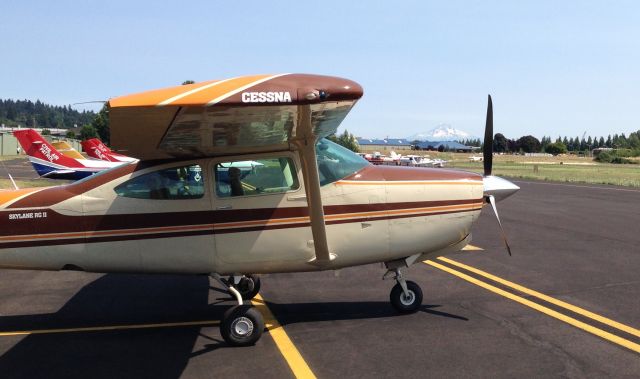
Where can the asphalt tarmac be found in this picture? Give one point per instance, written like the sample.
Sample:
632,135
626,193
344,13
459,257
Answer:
19,167
576,244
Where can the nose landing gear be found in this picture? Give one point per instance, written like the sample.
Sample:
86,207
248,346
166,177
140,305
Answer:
405,296
247,285
242,324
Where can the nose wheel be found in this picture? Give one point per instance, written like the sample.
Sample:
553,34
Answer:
242,324
405,296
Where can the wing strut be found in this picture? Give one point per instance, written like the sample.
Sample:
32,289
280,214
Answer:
307,149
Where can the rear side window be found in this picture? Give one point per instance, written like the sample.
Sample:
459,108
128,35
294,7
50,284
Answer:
261,176
176,183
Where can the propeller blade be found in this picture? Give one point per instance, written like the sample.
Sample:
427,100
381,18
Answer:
487,151
492,201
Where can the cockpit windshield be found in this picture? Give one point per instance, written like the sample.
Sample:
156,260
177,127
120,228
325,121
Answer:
336,162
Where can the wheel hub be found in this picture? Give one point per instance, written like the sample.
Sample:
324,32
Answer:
242,327
407,298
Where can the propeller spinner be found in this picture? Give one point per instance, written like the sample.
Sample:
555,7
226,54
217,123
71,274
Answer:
495,188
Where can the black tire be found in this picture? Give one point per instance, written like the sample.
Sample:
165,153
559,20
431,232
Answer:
249,286
404,304
241,325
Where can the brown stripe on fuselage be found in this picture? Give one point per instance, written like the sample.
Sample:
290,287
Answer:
128,237
206,231
58,223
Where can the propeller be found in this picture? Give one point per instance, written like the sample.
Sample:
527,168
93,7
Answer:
487,151
492,184
492,200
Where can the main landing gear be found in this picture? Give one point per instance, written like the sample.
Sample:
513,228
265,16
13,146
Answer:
405,296
242,324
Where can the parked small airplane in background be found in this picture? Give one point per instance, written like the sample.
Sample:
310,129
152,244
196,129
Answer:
474,158
415,161
185,208
51,163
98,150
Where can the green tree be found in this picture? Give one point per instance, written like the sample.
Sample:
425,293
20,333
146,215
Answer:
500,143
634,141
70,134
187,82
46,132
347,140
556,148
528,144
100,125
88,131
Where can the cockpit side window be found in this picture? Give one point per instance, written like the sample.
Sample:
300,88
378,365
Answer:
257,177
176,183
336,162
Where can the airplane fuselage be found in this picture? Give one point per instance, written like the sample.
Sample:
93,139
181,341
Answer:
116,221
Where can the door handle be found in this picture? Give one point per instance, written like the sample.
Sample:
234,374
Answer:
223,207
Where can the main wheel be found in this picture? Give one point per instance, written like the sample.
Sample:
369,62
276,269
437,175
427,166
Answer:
408,303
242,325
249,286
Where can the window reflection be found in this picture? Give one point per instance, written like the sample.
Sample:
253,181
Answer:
186,182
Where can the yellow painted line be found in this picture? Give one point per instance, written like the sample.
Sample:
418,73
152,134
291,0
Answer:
560,303
109,328
549,312
472,248
285,345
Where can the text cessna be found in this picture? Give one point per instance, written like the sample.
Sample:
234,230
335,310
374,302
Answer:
266,97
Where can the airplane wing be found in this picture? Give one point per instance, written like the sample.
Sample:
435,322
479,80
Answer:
239,115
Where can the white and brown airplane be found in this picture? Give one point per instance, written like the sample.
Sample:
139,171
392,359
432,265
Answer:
185,207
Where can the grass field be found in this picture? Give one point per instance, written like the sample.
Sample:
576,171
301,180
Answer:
619,175
566,168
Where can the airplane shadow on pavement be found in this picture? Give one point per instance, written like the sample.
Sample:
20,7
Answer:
119,299
113,300
336,311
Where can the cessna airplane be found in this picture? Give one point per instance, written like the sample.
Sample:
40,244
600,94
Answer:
98,150
184,208
51,163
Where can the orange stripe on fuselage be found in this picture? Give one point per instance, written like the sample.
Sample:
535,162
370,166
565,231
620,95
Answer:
7,196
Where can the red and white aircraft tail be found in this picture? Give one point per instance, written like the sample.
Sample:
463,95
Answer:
96,149
49,162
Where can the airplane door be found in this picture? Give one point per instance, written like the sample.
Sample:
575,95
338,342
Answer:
260,211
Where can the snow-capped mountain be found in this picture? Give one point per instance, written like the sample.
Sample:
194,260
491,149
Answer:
443,132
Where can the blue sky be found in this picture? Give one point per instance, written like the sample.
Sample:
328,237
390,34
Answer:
552,67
